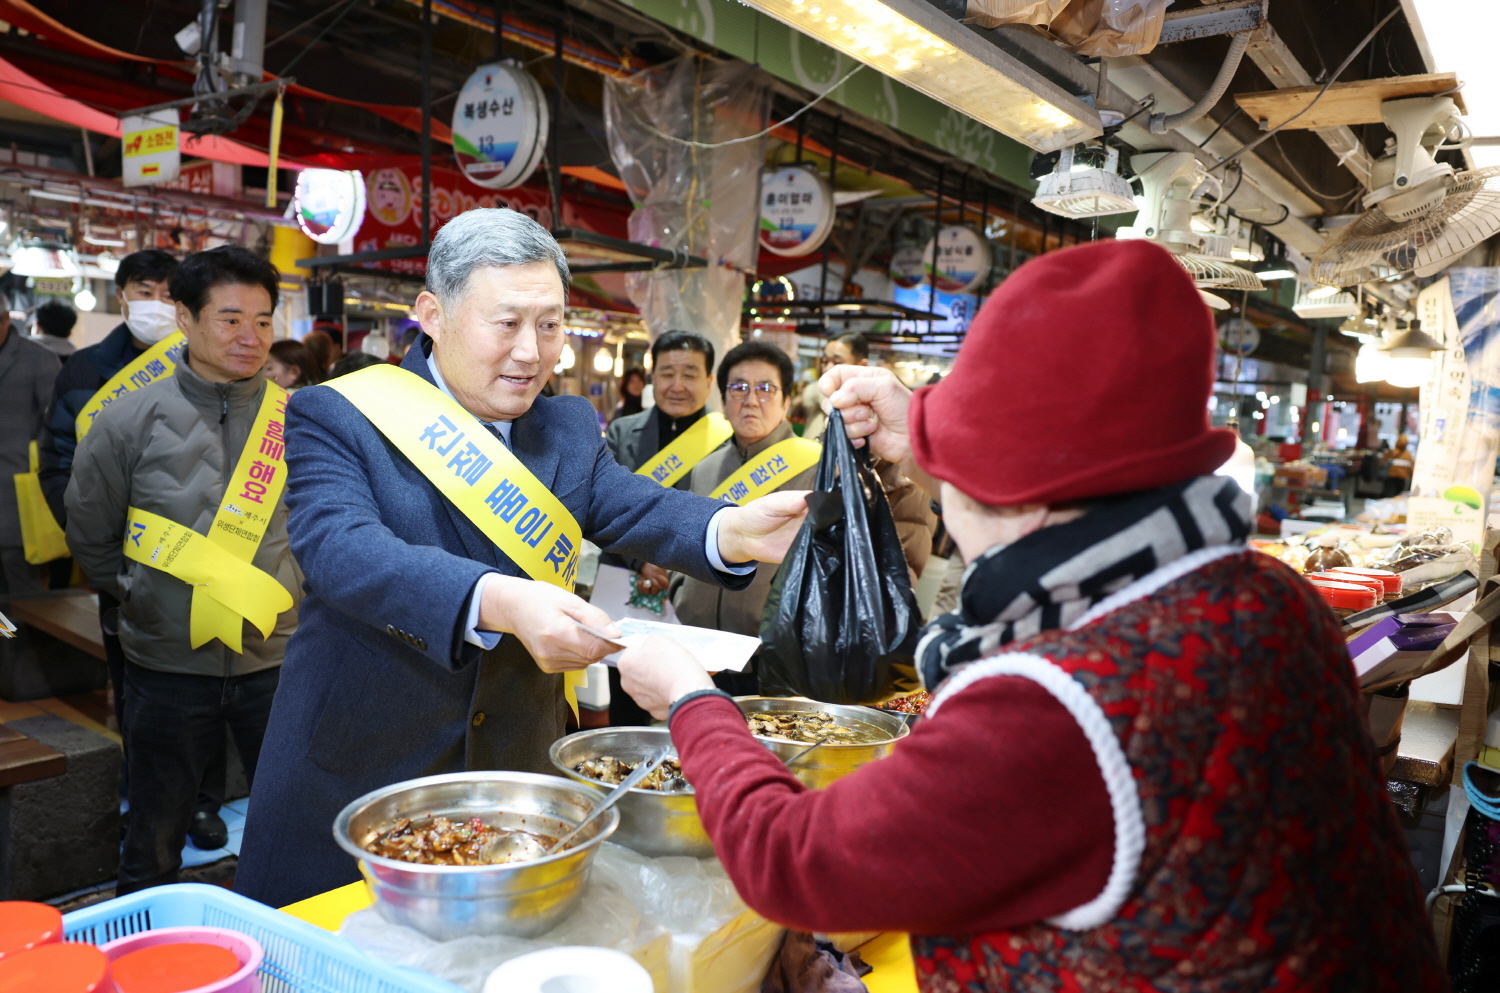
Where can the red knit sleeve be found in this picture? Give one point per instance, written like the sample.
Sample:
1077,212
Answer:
991,814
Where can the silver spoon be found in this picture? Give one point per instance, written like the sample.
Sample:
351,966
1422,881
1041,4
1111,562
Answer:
629,783
803,754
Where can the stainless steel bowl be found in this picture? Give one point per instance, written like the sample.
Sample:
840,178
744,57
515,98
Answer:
831,762
651,822
448,901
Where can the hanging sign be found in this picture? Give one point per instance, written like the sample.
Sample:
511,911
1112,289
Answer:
908,266
1238,336
963,259
796,211
149,148
329,204
499,126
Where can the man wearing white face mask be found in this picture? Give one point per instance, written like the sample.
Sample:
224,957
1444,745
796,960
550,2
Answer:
89,377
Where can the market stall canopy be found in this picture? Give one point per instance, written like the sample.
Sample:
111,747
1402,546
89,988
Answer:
27,91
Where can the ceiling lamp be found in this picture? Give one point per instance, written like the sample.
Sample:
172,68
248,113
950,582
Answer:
42,262
1371,363
1320,302
1410,352
603,361
1077,189
917,44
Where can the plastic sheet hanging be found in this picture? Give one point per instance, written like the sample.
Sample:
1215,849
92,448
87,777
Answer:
993,13
705,201
1110,28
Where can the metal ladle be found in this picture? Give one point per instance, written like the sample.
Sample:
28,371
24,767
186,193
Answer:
629,783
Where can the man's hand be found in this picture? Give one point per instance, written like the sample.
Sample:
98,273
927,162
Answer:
874,404
542,616
652,579
659,673
763,529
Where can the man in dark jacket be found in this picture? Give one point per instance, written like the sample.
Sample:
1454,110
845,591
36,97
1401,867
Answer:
26,374
141,288
191,461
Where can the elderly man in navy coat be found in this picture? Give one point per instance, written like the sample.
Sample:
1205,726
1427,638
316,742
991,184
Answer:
423,648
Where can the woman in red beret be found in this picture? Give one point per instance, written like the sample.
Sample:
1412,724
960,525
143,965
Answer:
1145,765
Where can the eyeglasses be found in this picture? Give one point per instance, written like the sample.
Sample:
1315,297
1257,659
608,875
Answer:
764,391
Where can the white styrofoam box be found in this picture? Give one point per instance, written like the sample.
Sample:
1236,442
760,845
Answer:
1445,686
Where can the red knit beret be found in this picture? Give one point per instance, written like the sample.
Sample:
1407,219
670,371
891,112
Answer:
1086,373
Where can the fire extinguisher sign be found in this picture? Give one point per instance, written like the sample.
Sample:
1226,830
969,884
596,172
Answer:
150,149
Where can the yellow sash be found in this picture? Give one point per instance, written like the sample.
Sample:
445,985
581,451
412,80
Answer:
476,472
687,450
768,470
227,589
157,362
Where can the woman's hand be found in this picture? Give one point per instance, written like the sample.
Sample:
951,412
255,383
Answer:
652,579
660,672
874,404
542,616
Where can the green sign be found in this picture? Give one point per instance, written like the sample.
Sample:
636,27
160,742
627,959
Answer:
792,56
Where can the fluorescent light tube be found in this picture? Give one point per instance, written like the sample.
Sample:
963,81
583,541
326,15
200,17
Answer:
916,44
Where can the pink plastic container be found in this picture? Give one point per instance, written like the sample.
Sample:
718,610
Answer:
244,947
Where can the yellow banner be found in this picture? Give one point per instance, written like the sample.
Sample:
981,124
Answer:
41,539
157,362
460,457
687,450
245,511
769,470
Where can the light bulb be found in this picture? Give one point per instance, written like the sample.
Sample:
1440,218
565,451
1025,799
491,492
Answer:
1408,373
1319,292
603,361
568,359
1371,364
84,299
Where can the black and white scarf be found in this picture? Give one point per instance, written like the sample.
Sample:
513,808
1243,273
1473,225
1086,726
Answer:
1052,577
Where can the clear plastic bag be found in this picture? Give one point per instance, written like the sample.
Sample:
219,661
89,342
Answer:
678,917
704,201
841,611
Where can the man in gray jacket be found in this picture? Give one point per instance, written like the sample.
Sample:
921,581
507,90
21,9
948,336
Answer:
167,456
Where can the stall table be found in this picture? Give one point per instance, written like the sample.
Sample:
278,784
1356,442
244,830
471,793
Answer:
889,954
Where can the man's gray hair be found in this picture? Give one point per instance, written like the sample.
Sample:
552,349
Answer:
487,236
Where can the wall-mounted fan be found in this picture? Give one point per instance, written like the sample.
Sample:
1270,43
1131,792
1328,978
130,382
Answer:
1422,215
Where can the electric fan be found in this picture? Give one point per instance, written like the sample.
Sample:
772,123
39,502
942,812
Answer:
1169,184
1422,215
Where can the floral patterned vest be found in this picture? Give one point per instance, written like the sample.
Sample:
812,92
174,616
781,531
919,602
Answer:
1255,848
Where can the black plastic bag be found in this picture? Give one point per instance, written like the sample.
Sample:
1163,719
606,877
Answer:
841,609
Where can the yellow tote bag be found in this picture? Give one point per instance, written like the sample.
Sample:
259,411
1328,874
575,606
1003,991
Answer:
43,539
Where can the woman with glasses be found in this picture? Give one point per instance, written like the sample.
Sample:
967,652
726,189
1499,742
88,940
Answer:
755,380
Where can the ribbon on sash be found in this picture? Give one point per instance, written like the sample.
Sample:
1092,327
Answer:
476,472
227,589
768,470
157,362
687,449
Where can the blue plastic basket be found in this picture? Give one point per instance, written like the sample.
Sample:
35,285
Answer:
299,958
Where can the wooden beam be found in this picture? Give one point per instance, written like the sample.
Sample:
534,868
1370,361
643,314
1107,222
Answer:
1345,104
1272,57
